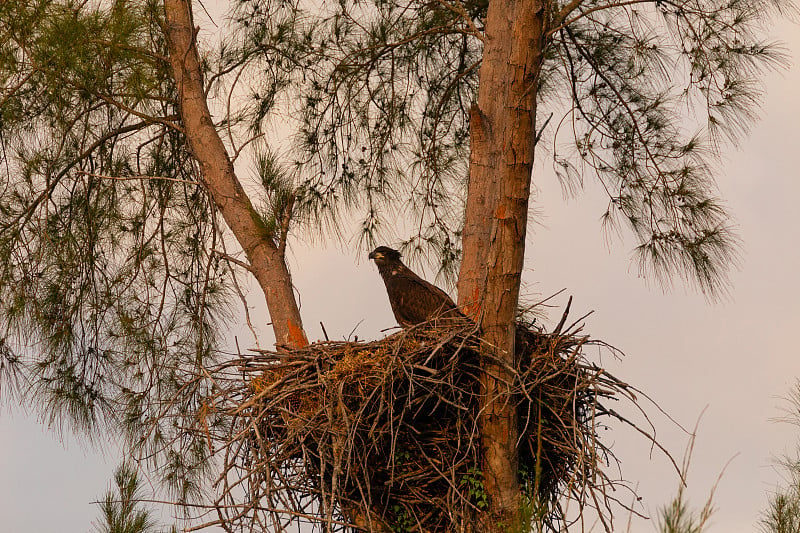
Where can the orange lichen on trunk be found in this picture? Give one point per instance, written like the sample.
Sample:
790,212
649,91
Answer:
297,335
502,127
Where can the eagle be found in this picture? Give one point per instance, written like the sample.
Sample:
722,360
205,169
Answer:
413,300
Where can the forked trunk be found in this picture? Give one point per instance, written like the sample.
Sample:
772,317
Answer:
267,262
502,134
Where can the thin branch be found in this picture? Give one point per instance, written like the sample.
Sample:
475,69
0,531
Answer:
458,8
233,260
137,178
561,23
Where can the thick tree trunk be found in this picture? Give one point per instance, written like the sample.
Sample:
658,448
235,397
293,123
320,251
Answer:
266,260
503,134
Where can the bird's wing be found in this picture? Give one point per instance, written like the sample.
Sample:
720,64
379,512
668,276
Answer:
438,294
419,301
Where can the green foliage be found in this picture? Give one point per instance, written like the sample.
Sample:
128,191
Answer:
278,196
402,457
473,481
783,510
634,81
403,521
646,92
678,517
533,515
384,92
114,278
121,510
111,293
783,514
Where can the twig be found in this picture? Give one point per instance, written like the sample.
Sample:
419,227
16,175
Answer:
136,178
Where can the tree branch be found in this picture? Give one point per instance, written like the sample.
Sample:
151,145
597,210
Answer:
217,172
560,21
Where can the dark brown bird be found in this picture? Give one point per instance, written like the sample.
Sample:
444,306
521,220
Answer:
413,299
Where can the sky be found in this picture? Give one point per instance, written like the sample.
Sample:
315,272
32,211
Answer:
724,367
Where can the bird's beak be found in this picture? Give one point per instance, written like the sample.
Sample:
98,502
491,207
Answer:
373,255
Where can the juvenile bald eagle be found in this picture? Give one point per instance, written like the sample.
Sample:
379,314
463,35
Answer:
413,299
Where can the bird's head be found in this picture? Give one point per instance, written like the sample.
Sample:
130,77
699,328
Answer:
384,254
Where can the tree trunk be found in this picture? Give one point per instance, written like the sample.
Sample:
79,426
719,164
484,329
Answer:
267,262
502,134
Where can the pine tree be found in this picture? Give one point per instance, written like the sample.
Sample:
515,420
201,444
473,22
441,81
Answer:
121,508
619,77
782,514
124,221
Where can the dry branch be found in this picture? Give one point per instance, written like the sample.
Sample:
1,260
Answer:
383,435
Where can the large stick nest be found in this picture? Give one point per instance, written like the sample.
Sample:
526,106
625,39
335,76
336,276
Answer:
384,435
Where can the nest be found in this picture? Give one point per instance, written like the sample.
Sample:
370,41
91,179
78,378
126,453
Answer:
384,435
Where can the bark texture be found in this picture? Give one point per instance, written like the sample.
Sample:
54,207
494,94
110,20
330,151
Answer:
267,262
501,161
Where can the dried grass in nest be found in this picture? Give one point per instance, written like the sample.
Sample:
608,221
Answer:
322,433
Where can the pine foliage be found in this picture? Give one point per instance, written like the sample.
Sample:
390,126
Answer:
782,514
121,509
115,271
109,284
643,94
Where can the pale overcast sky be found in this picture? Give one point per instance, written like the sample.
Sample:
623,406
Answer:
734,360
